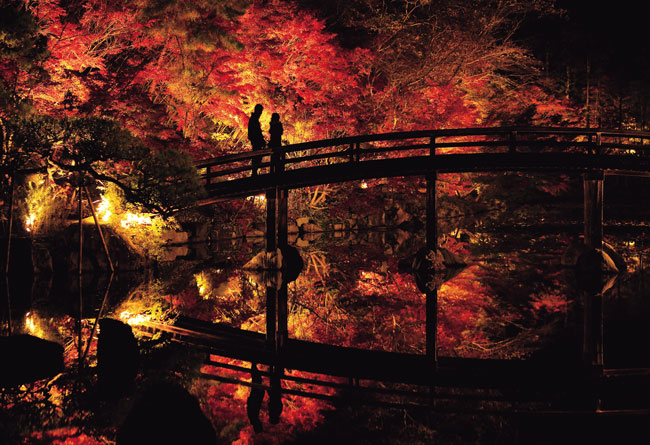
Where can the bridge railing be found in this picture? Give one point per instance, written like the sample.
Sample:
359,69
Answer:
426,143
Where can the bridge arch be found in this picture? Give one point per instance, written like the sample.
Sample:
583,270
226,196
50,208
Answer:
592,153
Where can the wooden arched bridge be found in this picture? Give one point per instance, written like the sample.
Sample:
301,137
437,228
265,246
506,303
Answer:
592,153
576,150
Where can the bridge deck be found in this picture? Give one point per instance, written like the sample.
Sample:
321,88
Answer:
571,150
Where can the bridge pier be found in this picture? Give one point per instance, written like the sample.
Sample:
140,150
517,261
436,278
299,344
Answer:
276,238
593,208
271,229
592,346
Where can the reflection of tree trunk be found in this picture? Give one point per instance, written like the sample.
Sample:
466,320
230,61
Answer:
316,261
588,93
567,82
318,196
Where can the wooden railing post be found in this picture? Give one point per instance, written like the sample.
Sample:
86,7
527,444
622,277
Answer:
208,179
513,142
432,146
354,149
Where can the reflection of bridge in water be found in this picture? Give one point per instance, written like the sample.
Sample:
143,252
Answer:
591,153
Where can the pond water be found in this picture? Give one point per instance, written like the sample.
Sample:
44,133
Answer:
513,299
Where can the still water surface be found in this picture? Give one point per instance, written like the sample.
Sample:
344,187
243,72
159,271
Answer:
513,299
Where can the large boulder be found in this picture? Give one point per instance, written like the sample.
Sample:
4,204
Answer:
274,268
117,357
593,261
595,271
166,413
609,256
432,268
27,358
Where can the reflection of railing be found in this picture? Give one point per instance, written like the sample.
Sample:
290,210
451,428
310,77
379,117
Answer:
357,157
455,385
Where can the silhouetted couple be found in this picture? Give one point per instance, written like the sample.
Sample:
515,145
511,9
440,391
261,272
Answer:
257,138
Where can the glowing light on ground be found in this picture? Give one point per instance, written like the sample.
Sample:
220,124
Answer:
33,325
134,319
203,284
104,209
29,222
135,219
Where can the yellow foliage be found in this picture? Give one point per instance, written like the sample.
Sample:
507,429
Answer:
144,232
40,205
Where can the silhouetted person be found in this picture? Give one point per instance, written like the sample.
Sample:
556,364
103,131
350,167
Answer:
275,139
255,135
275,131
254,401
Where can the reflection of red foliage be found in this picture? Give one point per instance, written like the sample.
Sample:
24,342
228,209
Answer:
549,302
61,436
387,312
225,405
462,304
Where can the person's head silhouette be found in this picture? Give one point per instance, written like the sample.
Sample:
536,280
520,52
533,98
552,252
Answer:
275,117
258,109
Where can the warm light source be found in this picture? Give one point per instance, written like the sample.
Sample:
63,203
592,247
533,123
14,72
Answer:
135,219
29,222
258,200
364,185
104,209
33,325
203,284
134,319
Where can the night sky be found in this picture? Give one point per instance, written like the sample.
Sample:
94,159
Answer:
613,35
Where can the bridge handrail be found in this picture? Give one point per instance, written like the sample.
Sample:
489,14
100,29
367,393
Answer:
592,137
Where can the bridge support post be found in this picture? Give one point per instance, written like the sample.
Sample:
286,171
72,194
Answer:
593,209
592,346
431,295
276,238
271,317
282,196
283,242
271,290
282,313
271,233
